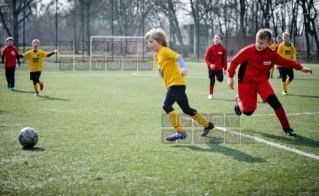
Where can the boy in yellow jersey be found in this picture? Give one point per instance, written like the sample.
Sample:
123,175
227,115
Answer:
273,48
288,51
172,68
35,57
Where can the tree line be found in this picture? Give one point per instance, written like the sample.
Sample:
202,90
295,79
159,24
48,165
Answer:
77,20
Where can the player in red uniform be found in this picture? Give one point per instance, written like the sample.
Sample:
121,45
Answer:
256,60
216,61
9,62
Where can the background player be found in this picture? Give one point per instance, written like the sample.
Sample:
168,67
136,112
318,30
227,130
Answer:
216,61
279,41
9,62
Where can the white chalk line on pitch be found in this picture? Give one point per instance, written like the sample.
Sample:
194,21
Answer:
271,143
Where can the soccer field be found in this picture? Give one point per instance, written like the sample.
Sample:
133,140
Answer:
103,133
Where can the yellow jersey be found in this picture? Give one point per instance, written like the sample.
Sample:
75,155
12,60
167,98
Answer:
166,62
35,59
272,47
286,51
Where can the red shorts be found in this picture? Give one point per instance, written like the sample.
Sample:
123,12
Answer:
248,94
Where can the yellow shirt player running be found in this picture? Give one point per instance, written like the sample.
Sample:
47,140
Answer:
35,57
173,74
288,51
273,48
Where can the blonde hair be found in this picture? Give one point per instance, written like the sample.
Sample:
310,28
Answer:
264,34
35,40
285,34
157,34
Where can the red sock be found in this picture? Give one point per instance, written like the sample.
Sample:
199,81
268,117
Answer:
281,115
211,89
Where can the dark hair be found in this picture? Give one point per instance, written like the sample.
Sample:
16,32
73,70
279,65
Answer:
220,35
264,34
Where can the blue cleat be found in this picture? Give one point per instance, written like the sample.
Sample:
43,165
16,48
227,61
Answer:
236,108
12,88
9,86
176,136
206,130
290,132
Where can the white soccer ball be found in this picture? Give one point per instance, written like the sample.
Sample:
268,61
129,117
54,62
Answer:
28,137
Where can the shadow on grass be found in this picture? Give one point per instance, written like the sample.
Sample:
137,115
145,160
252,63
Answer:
236,154
20,91
298,140
34,149
307,96
53,98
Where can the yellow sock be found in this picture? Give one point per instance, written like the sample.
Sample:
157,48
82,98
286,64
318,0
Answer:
201,119
271,71
287,82
284,86
175,121
35,88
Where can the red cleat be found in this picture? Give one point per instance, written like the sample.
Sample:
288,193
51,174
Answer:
41,86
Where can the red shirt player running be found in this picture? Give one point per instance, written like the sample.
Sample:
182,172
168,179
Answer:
216,61
256,60
9,62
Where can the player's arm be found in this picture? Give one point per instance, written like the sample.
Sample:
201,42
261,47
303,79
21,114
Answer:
207,57
225,61
239,58
290,64
52,53
182,65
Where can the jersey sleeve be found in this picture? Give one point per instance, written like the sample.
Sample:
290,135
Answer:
44,54
239,58
281,61
208,55
170,55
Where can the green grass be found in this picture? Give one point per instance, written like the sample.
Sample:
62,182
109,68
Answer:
100,133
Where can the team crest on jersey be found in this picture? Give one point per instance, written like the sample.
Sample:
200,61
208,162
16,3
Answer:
220,53
287,52
267,63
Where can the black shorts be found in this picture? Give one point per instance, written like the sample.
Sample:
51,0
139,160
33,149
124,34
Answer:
35,76
176,92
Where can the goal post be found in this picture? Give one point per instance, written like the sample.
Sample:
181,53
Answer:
117,53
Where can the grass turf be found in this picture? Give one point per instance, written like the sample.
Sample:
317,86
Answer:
102,133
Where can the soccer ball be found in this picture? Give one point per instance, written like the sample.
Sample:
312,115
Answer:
28,137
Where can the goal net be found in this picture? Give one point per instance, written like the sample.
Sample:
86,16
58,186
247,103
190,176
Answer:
121,53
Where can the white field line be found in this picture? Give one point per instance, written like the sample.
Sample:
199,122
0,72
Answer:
271,143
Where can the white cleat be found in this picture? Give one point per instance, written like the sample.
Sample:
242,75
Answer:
210,96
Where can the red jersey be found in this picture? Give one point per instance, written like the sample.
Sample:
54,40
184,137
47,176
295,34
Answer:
216,55
276,47
256,64
10,59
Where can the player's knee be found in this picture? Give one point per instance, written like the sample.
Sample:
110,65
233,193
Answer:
189,111
248,113
167,109
273,101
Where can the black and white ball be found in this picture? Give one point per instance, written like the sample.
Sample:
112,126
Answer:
28,137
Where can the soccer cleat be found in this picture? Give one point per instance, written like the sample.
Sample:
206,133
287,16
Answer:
210,96
285,93
41,86
290,132
36,94
176,136
271,76
12,88
206,130
236,108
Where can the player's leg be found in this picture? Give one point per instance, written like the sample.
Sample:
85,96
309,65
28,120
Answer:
41,84
283,80
7,77
267,94
220,75
34,78
172,94
280,74
11,77
246,100
290,73
211,75
196,115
